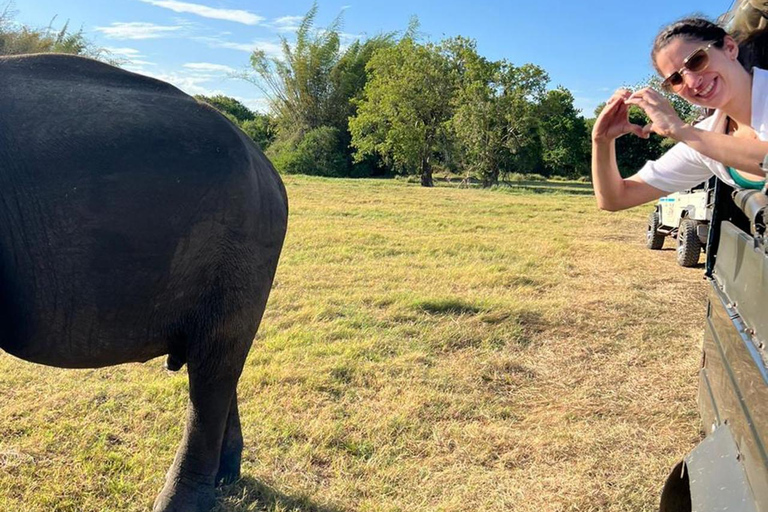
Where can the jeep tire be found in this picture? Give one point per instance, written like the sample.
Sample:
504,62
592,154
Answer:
688,243
654,240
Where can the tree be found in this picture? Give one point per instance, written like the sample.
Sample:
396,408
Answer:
313,84
478,125
406,105
298,85
348,77
495,124
523,88
564,134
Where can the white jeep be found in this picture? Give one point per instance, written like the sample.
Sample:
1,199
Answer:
684,216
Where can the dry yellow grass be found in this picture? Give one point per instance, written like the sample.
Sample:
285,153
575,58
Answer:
423,350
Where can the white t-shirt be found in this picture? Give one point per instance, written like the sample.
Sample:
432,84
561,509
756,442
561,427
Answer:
681,167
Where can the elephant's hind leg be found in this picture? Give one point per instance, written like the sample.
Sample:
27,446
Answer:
214,369
231,448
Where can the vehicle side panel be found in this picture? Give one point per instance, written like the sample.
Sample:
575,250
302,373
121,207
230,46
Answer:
734,379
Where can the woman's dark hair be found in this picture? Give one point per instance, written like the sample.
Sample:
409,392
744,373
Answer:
694,28
754,51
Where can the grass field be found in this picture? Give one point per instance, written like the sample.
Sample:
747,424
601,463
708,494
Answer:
423,350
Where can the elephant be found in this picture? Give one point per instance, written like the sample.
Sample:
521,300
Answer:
136,222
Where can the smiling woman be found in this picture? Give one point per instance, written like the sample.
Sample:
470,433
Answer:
698,61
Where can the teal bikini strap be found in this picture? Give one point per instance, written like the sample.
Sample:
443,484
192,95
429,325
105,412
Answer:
743,182
740,180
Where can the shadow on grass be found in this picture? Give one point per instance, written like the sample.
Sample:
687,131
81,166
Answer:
702,260
547,188
250,495
529,186
449,306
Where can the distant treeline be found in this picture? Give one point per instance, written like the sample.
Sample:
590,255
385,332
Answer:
393,104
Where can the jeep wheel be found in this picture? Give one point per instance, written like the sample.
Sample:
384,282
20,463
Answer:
688,243
653,240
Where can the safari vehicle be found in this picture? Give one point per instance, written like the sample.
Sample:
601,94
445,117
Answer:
728,470
684,216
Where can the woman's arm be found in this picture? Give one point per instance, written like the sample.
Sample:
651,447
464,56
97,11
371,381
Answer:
611,190
744,154
740,153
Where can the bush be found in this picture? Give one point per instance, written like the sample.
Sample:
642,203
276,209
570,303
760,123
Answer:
260,130
230,107
317,153
17,39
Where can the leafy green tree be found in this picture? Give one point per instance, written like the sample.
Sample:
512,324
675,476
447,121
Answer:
313,84
405,109
523,89
479,128
564,134
348,77
495,125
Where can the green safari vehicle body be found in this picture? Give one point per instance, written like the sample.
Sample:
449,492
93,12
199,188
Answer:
728,470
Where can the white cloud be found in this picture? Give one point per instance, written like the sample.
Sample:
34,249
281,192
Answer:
256,104
235,15
138,63
345,38
123,52
189,83
138,30
130,58
199,80
271,49
586,105
349,37
286,23
209,67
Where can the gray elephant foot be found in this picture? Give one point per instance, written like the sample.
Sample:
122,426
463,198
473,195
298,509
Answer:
229,470
183,497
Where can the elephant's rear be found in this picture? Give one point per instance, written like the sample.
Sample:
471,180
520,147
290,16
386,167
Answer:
131,216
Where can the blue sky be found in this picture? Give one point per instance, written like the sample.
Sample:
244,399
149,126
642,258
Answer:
590,47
